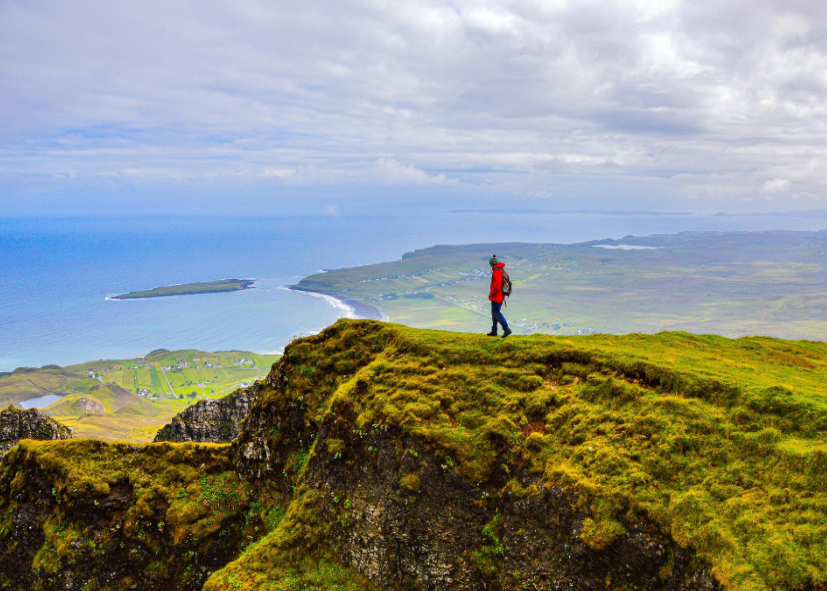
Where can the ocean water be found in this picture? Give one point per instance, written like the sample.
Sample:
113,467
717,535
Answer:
56,273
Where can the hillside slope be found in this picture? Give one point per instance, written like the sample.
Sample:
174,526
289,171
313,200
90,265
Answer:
108,412
130,399
377,456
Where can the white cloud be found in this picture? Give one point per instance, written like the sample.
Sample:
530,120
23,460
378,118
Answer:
776,186
282,173
694,98
392,171
491,21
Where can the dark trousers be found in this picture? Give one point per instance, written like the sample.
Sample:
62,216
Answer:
497,316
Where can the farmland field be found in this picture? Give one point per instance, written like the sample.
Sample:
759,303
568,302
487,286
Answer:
133,393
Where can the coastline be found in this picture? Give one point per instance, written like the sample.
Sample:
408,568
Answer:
351,308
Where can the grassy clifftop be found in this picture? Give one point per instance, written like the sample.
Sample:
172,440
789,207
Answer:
380,455
722,443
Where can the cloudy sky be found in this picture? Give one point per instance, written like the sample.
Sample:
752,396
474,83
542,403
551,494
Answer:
324,105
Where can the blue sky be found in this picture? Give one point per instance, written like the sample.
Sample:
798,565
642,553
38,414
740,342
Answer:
330,106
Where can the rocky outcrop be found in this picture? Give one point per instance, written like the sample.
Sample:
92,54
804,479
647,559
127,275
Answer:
413,523
18,424
84,515
210,421
405,518
378,457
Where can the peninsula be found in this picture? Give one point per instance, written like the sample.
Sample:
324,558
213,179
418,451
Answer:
728,283
188,289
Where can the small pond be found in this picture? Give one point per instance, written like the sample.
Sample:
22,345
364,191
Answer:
625,247
40,401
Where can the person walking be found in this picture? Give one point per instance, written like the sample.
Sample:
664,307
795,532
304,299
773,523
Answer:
495,295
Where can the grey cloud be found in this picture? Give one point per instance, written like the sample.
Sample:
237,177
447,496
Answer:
702,98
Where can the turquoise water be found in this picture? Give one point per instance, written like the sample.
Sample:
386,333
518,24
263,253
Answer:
56,273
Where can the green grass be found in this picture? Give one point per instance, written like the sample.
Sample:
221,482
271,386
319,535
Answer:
155,382
221,285
722,443
133,418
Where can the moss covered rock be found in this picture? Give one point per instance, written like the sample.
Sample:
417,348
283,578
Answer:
84,514
18,424
376,456
210,421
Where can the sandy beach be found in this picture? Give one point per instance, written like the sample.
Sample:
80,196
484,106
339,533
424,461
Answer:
349,307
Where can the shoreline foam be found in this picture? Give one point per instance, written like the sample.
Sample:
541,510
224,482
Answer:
353,309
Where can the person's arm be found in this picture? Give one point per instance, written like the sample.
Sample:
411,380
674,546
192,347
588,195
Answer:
496,284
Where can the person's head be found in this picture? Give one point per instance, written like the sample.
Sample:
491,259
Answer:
493,260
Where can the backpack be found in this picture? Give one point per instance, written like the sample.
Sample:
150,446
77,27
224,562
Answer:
507,287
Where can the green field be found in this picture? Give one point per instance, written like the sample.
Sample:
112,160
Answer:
732,284
130,399
188,289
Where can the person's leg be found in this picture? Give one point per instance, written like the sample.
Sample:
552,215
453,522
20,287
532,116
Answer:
499,316
501,319
494,313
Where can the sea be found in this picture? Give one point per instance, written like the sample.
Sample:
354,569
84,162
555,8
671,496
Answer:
58,273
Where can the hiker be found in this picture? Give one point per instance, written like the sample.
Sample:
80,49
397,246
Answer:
497,297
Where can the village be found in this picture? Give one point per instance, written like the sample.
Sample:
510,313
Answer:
186,375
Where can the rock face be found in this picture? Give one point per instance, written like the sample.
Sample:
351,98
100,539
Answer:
210,421
405,519
86,515
28,424
435,531
380,457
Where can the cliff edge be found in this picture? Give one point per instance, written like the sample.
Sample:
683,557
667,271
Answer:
377,456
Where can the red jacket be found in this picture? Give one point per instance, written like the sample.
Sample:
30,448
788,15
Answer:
495,294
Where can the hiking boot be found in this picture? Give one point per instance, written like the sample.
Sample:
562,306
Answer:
493,333
507,332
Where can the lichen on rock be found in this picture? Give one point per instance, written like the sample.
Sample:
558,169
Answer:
210,421
18,424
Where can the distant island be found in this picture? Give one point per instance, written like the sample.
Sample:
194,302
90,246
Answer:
188,289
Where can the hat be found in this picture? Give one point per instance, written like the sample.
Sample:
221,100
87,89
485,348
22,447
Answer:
493,260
